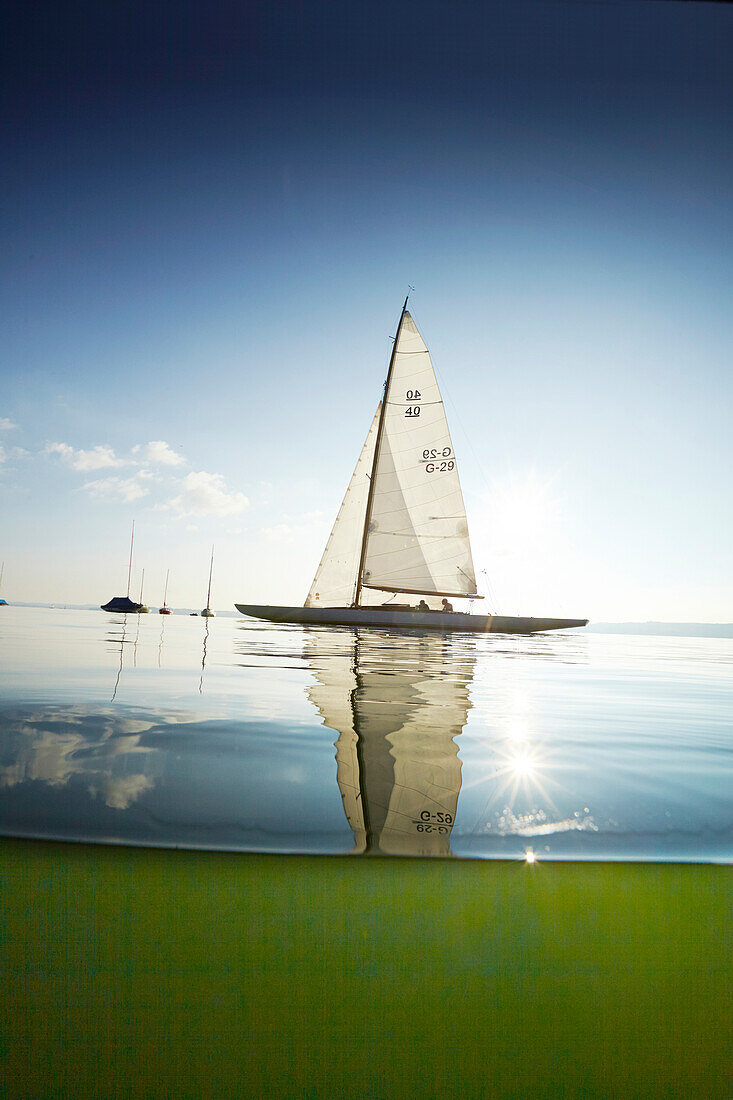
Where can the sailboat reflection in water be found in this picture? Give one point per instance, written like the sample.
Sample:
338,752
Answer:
397,713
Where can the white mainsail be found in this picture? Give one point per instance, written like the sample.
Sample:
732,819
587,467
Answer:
417,539
335,579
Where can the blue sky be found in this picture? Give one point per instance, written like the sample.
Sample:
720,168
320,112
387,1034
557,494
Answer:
211,218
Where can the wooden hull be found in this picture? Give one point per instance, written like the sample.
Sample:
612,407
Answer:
422,620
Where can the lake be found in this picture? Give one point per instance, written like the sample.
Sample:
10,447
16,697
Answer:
237,735
206,942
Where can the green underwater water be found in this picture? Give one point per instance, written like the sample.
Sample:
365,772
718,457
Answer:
131,972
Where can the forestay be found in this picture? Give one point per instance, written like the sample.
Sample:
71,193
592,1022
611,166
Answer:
417,540
335,579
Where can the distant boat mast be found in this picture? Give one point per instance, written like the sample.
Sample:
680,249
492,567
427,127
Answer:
207,612
211,570
129,569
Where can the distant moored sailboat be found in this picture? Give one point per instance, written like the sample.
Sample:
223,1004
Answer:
165,610
401,530
3,603
124,603
207,612
142,609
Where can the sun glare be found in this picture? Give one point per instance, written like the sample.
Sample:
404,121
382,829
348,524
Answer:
523,510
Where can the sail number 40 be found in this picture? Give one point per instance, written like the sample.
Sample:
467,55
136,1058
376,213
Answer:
412,409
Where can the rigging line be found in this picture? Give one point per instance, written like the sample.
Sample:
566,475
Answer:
492,595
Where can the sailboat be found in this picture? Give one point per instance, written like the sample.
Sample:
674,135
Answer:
401,530
165,610
141,608
207,612
124,603
3,603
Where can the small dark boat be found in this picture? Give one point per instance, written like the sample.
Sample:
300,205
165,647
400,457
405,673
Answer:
122,603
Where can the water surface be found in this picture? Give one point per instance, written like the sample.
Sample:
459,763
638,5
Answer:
233,734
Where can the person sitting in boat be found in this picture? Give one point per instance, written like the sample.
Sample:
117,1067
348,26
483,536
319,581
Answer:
447,606
422,606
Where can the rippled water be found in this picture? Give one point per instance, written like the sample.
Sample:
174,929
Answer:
239,735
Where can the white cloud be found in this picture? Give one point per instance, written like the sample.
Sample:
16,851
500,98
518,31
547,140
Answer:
207,495
97,458
13,452
281,532
6,424
157,450
118,488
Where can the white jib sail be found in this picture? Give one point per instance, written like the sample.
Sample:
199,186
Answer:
418,533
335,579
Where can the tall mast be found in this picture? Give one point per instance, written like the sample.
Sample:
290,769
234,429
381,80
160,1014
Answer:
165,594
142,582
380,429
129,568
211,569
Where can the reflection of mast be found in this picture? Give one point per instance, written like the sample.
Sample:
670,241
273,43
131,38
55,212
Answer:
122,648
203,658
160,643
397,714
361,767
